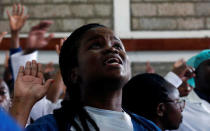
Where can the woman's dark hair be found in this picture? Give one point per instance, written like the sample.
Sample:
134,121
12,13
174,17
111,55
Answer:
143,93
68,60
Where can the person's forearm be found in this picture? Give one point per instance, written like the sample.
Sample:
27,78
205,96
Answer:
56,89
20,110
15,41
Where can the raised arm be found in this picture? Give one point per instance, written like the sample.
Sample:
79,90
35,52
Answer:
29,88
57,89
36,39
16,20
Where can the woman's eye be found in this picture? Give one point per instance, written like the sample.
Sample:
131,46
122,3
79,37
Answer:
118,46
95,46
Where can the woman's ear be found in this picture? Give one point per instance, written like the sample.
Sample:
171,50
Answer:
74,75
161,109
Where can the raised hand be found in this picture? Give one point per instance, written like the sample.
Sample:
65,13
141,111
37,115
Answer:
49,68
149,68
29,83
2,36
182,70
17,18
29,88
37,39
58,46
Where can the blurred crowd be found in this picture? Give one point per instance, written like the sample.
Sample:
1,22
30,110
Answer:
93,88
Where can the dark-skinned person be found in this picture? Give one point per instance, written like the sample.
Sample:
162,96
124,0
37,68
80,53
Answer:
7,122
178,76
152,97
94,67
196,115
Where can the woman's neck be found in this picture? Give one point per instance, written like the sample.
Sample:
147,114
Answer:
104,99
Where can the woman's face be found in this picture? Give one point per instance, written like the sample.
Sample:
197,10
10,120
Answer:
102,56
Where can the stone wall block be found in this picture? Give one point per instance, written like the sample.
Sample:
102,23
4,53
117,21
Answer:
176,9
82,10
4,26
202,9
71,24
49,11
190,23
103,10
143,10
157,24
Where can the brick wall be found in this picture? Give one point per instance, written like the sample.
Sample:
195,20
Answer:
145,14
66,14
170,14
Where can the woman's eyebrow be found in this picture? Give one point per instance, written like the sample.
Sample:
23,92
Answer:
93,38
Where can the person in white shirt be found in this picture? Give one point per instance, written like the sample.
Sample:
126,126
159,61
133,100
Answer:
196,115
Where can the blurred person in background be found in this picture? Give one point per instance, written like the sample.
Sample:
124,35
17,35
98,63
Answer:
179,75
196,115
151,96
7,123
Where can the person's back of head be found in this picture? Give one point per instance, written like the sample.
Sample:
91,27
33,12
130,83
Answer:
149,95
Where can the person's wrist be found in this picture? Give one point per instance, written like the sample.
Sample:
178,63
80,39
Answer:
23,100
14,32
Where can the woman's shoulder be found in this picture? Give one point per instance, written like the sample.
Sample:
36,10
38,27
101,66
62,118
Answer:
44,123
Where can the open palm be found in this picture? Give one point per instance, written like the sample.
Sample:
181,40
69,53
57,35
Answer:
17,19
29,84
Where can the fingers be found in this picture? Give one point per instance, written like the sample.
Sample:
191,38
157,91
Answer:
34,68
14,9
20,72
40,71
179,63
18,11
43,25
57,48
28,68
22,11
62,41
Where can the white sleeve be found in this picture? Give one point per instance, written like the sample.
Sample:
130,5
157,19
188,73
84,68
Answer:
19,59
44,107
173,79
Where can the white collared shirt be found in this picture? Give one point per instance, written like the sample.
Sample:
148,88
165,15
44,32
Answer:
196,115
